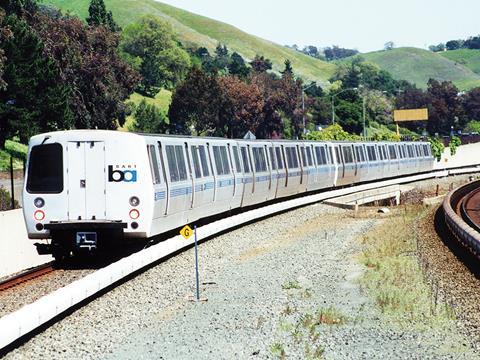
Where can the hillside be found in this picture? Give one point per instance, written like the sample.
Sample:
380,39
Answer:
202,31
417,66
467,57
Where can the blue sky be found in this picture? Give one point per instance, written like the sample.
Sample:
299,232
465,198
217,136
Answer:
362,24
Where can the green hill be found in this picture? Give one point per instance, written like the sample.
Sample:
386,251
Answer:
417,66
467,57
202,31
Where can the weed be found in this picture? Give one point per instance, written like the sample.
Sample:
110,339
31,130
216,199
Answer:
278,351
288,310
330,316
291,285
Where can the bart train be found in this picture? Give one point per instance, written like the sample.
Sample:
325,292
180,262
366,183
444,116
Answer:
86,187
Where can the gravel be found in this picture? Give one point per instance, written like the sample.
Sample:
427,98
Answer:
14,298
259,280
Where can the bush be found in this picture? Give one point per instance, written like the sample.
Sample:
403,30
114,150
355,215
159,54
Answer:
6,200
455,142
437,148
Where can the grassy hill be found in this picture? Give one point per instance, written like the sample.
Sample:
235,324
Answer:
202,31
467,57
417,66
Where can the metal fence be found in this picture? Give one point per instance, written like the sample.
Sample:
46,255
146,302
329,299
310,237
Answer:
11,185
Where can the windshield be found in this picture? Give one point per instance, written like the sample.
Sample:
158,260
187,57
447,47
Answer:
45,169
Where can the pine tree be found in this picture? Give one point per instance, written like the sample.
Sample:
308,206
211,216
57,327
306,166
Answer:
98,15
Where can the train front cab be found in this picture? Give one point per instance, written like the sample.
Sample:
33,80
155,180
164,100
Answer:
84,190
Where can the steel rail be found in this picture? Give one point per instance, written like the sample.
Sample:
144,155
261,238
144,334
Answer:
26,276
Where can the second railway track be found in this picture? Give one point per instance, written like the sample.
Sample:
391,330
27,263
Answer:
462,215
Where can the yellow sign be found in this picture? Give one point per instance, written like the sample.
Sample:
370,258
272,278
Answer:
410,115
186,232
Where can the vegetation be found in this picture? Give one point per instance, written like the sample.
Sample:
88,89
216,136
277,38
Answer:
59,74
395,280
454,143
417,66
466,57
437,148
198,31
151,48
6,200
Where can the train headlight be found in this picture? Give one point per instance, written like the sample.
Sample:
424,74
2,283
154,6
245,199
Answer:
39,202
39,215
134,201
134,214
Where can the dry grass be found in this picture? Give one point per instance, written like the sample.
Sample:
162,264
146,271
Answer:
394,277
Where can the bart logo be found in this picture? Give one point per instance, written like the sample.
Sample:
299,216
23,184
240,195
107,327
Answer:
121,175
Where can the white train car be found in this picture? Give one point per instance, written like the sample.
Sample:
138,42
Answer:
84,188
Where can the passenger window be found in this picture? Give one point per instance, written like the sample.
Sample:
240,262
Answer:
196,161
152,156
246,167
172,163
278,152
347,154
391,149
237,159
218,160
259,159
203,160
309,156
182,169
225,162
304,158
272,158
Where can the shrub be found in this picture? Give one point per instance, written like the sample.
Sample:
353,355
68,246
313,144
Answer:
6,200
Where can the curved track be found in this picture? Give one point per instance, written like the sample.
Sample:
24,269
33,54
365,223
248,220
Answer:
462,215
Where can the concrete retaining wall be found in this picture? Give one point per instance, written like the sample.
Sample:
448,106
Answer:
17,252
466,155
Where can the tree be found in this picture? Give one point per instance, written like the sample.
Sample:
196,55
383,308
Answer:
437,48
242,109
149,119
151,48
33,100
444,110
260,64
389,45
288,71
98,15
5,34
472,42
237,66
472,104
196,103
89,65
311,51
454,44
335,53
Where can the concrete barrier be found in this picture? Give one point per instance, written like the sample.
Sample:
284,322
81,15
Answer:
17,252
466,155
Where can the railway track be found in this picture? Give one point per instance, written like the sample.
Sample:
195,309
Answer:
26,276
462,215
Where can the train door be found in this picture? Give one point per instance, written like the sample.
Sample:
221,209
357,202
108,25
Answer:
87,177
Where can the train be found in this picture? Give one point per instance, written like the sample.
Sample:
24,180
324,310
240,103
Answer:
84,188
